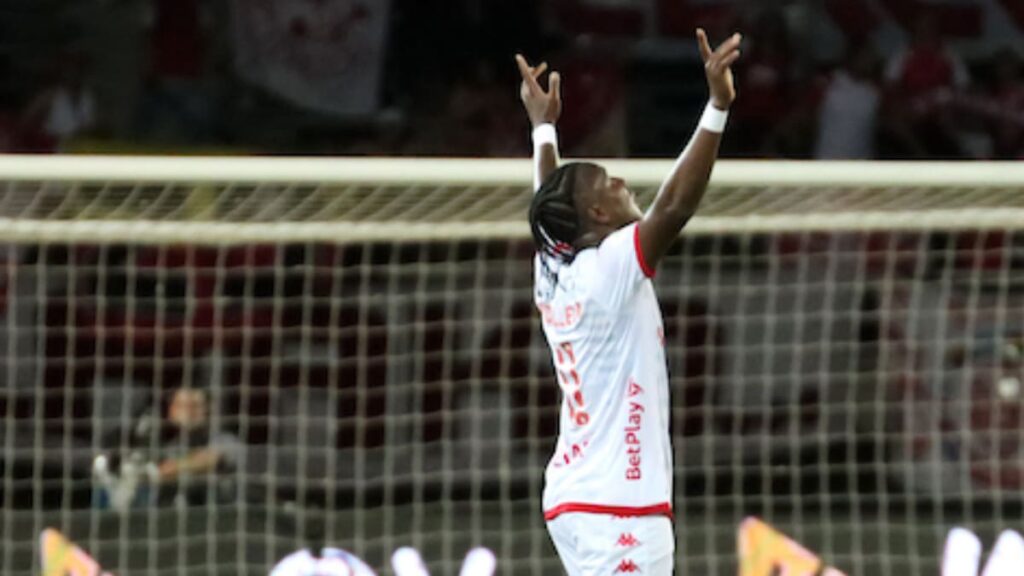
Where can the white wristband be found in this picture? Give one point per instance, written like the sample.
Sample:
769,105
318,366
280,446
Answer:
713,119
545,134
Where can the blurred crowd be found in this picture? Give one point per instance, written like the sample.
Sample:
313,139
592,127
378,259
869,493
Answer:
920,102
448,82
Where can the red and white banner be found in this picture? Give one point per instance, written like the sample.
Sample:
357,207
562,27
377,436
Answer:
324,55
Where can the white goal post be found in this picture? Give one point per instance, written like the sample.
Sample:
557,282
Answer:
845,343
756,196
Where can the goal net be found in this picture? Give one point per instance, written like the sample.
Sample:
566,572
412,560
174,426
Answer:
208,363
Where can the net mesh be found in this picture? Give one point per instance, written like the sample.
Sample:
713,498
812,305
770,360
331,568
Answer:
384,204
373,374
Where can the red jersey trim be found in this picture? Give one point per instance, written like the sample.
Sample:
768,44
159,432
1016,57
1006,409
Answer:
663,509
647,270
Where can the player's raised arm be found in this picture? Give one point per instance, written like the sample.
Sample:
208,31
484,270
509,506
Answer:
679,196
544,108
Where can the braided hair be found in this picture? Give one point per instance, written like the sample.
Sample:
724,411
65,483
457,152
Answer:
554,222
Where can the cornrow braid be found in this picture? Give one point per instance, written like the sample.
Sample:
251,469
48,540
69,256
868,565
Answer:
554,221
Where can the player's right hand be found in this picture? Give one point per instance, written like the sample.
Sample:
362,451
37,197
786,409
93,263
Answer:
718,68
543,107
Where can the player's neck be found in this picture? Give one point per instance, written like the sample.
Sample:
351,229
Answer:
591,238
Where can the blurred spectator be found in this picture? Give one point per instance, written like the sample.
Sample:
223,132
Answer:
990,118
8,132
764,73
63,111
174,105
921,81
1007,120
927,65
595,123
478,119
177,454
848,116
8,117
188,445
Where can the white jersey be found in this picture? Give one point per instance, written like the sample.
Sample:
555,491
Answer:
604,327
332,562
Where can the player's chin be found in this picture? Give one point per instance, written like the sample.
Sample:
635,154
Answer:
632,219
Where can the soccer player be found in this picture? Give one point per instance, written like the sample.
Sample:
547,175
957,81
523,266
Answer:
608,487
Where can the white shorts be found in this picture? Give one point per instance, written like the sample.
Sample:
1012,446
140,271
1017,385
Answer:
606,545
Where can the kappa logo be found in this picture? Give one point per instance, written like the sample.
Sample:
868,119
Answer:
627,566
627,540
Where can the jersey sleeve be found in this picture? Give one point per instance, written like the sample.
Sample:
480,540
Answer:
622,267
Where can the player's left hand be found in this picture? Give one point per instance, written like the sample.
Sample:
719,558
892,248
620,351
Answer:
543,107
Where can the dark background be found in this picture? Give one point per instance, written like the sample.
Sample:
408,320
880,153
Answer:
164,77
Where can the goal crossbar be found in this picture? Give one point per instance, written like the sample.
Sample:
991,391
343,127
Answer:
244,200
489,172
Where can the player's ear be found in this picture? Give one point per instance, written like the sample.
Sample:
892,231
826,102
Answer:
597,214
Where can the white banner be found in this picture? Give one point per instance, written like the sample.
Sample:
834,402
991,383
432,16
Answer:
324,55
